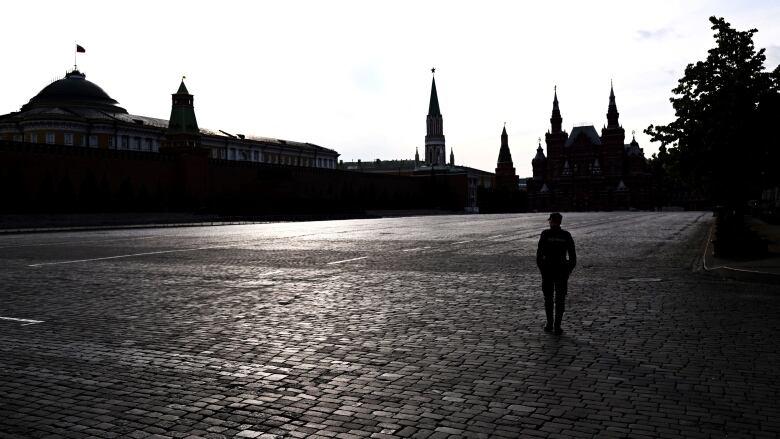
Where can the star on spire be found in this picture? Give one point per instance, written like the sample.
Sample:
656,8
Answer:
433,69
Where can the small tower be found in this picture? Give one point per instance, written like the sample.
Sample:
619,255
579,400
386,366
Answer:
183,128
452,157
416,157
434,138
539,163
506,177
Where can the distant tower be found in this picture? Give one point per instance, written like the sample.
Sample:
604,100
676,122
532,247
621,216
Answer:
452,157
555,139
612,139
434,137
539,163
555,120
506,177
416,157
182,127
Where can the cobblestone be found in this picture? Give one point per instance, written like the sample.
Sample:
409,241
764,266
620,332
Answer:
250,331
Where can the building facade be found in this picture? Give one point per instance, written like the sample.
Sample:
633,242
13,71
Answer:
583,170
73,111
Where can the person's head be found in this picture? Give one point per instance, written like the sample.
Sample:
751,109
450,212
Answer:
555,219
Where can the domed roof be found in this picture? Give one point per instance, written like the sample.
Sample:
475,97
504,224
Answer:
74,90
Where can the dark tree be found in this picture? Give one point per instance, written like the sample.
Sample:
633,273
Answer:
721,141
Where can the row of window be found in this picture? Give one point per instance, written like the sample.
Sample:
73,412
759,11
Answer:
49,138
137,143
134,143
279,159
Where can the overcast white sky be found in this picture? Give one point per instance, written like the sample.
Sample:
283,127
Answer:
355,76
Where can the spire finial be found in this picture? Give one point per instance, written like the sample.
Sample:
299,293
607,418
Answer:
433,70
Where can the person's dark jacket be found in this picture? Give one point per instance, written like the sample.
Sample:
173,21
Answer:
554,244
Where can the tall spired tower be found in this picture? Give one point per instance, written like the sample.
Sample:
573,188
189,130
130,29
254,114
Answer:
182,127
434,137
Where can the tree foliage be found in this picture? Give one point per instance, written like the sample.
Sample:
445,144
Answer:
721,144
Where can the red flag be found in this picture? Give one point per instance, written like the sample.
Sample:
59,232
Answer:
79,49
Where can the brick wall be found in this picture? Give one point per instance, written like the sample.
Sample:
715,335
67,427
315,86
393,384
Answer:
57,179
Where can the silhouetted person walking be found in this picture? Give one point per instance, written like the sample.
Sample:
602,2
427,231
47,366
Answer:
554,244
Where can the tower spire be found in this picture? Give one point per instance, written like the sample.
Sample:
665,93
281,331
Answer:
504,155
433,106
506,177
612,112
434,138
556,121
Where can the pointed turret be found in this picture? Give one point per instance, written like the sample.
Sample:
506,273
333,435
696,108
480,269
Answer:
504,156
452,157
433,106
612,112
434,138
506,177
613,138
539,163
539,154
182,126
182,88
556,120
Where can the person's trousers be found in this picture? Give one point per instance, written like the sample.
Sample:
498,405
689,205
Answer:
555,287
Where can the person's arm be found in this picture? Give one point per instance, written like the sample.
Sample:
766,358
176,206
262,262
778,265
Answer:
572,253
540,251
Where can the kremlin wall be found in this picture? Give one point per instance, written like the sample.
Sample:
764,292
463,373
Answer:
72,148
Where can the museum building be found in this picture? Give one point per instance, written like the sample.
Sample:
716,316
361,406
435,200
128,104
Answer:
583,170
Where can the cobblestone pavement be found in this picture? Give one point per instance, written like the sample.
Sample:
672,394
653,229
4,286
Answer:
425,327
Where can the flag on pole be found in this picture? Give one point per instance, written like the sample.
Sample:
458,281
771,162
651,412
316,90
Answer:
80,49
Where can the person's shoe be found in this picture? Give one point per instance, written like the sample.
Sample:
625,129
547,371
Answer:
548,328
558,330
